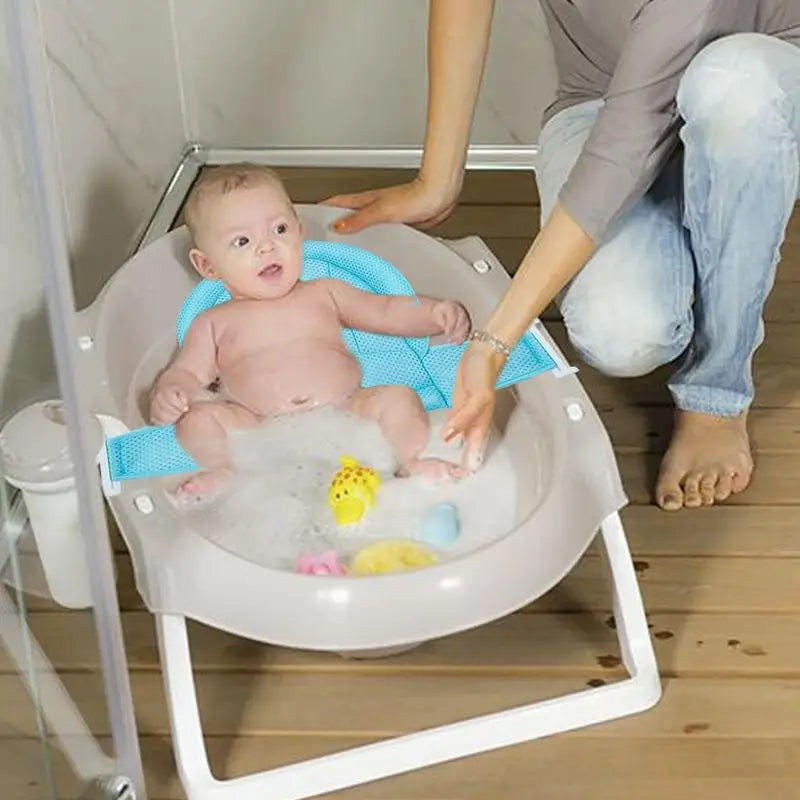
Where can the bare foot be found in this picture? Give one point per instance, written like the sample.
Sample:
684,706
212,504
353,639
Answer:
435,469
707,460
201,488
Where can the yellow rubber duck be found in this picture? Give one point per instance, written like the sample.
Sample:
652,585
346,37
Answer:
391,555
352,491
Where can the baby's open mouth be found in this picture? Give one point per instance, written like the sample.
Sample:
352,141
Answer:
270,270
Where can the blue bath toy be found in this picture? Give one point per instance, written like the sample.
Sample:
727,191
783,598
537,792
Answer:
440,527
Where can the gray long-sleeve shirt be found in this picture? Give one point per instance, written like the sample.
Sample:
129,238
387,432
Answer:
632,53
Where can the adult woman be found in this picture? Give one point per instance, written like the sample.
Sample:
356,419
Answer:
668,170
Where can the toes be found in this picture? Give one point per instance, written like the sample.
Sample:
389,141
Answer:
740,481
708,485
723,490
691,491
669,495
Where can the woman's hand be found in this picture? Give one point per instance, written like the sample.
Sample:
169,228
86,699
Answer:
415,203
473,401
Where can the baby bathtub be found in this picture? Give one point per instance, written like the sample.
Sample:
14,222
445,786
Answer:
568,490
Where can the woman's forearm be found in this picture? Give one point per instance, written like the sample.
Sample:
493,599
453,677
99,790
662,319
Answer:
458,40
556,255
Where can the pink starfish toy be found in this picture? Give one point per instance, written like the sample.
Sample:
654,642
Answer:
326,563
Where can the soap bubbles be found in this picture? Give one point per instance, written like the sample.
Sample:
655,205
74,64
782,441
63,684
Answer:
276,507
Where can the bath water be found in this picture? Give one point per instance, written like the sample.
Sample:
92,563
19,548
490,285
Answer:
276,507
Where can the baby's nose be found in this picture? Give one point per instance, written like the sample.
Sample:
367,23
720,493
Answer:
266,244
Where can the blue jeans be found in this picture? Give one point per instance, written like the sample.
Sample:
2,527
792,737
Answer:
686,270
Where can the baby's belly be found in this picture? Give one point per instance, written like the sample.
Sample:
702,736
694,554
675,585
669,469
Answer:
293,378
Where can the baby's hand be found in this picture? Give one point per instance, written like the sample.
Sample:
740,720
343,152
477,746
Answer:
168,404
453,318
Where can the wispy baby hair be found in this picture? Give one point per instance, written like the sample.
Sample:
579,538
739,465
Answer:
218,181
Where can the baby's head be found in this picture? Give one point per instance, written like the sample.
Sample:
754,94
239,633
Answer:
245,231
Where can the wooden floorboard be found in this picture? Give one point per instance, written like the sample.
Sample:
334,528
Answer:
582,644
724,768
481,187
720,587
357,705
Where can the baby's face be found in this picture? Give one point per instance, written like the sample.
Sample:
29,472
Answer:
252,241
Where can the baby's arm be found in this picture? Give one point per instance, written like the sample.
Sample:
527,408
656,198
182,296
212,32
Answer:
194,368
399,315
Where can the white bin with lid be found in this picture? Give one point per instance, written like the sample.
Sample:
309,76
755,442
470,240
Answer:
35,457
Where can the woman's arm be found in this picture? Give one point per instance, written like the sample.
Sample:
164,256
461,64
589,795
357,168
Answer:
458,40
633,137
556,255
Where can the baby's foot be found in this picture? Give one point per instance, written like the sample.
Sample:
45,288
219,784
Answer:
434,469
200,489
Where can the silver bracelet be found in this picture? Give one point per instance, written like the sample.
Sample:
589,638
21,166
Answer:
493,341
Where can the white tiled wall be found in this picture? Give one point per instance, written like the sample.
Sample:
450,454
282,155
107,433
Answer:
117,111
119,129
328,72
25,360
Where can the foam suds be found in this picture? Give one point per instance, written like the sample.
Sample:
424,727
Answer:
276,508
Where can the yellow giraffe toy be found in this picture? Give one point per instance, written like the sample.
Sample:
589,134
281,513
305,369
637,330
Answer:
352,491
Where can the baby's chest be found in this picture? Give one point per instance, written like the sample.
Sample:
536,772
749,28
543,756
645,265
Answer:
266,324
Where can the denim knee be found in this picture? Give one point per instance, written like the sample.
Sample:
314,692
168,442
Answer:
625,335
627,346
729,85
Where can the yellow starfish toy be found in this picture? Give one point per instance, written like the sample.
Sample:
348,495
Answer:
391,556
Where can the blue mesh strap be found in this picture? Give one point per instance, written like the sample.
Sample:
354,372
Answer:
146,452
430,371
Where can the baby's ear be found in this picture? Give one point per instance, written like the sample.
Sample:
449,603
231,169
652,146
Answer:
202,264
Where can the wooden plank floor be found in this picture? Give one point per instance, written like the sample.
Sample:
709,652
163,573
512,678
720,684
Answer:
720,587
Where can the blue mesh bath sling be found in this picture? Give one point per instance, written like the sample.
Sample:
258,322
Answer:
429,370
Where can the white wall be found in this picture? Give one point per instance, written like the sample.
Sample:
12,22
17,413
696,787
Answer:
119,130
345,72
117,113
25,360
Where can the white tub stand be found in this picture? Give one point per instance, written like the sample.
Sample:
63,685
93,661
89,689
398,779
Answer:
405,753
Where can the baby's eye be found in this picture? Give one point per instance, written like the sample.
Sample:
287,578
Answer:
281,227
241,241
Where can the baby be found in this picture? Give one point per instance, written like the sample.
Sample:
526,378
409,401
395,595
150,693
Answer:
277,347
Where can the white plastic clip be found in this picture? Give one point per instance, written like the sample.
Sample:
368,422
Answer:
110,487
111,427
563,367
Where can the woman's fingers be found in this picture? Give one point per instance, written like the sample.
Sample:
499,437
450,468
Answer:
462,418
472,423
475,443
355,201
367,206
413,203
369,215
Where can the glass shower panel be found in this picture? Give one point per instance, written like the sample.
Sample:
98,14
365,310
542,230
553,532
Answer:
25,758
67,726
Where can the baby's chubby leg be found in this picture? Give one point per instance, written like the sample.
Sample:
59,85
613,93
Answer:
402,419
203,432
